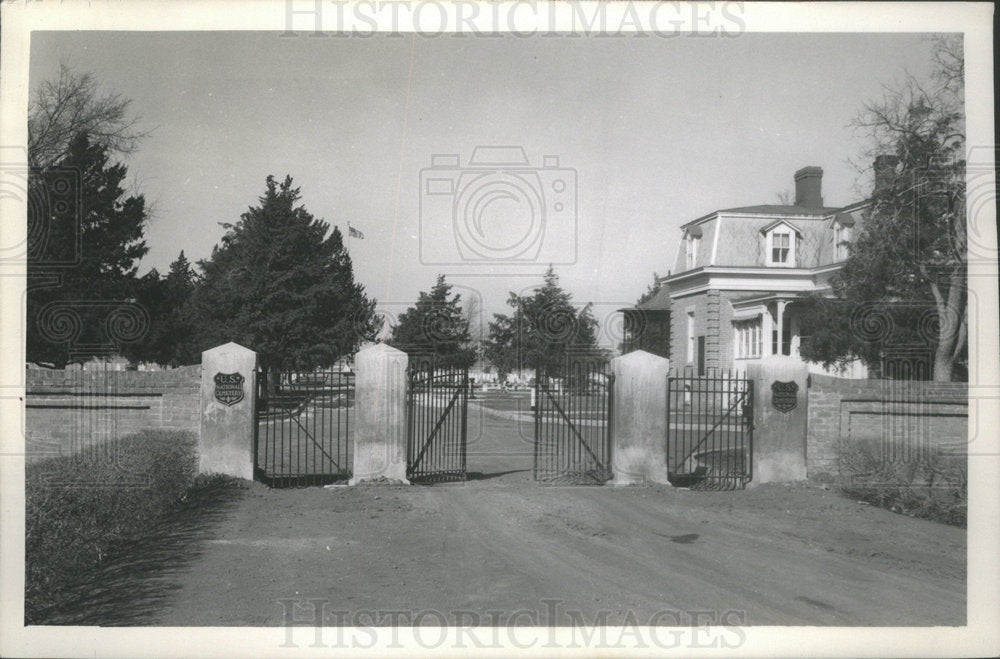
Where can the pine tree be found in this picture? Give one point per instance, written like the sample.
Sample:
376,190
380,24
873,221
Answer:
85,240
436,328
173,320
546,332
278,284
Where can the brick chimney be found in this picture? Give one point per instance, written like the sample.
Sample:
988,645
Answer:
809,187
885,167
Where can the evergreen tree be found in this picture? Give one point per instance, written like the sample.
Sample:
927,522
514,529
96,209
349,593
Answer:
173,321
436,328
545,332
85,239
278,284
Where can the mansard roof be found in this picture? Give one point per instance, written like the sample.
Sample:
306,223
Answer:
777,209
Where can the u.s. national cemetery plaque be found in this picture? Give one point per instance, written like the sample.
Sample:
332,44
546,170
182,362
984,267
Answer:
229,388
784,395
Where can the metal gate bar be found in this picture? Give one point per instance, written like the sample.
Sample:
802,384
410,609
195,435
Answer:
572,425
304,431
710,430
437,416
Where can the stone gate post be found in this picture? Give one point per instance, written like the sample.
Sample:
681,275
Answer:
228,411
380,420
780,417
639,417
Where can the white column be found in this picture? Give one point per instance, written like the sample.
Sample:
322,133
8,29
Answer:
767,328
781,325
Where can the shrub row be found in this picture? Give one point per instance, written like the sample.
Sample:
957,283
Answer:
82,510
932,486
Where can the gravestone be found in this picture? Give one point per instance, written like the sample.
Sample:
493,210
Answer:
780,419
638,430
380,417
228,411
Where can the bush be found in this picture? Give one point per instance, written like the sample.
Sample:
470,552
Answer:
933,486
83,509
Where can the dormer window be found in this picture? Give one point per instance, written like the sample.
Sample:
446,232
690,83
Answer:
842,224
841,236
692,238
780,238
692,251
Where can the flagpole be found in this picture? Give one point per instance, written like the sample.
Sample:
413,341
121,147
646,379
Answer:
348,236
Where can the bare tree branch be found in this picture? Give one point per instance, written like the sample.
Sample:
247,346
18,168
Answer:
59,110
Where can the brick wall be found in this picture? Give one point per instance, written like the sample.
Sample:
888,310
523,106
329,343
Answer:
678,322
909,416
66,410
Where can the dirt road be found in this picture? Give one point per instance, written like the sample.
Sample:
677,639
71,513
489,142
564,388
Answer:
771,555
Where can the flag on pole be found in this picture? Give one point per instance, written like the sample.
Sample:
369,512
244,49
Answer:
354,233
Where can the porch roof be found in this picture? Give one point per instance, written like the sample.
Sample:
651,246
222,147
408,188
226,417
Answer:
659,302
753,300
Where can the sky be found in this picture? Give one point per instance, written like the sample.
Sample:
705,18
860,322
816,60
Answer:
654,131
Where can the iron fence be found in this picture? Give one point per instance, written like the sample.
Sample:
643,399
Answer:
709,430
304,427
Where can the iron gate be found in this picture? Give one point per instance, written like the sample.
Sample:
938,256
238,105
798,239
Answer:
304,433
573,425
437,415
710,430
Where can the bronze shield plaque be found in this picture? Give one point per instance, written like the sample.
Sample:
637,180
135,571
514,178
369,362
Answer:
229,388
784,396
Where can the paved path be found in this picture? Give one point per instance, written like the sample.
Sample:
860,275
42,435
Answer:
773,555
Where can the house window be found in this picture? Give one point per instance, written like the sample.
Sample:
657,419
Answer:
841,236
690,337
780,247
749,338
780,243
692,250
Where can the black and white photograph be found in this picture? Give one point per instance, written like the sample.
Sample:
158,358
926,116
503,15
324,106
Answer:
457,327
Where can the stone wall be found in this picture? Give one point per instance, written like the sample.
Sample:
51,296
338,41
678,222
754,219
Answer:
66,410
909,414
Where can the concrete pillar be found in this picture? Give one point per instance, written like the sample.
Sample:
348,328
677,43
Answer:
638,421
380,417
780,419
228,411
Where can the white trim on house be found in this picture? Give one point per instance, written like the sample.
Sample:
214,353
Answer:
784,280
715,240
749,312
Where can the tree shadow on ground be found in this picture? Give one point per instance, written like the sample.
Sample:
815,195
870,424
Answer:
132,586
480,476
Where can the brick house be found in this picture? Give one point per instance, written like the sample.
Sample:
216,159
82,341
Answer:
739,273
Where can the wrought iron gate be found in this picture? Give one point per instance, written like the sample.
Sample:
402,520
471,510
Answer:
304,432
710,430
573,425
437,415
